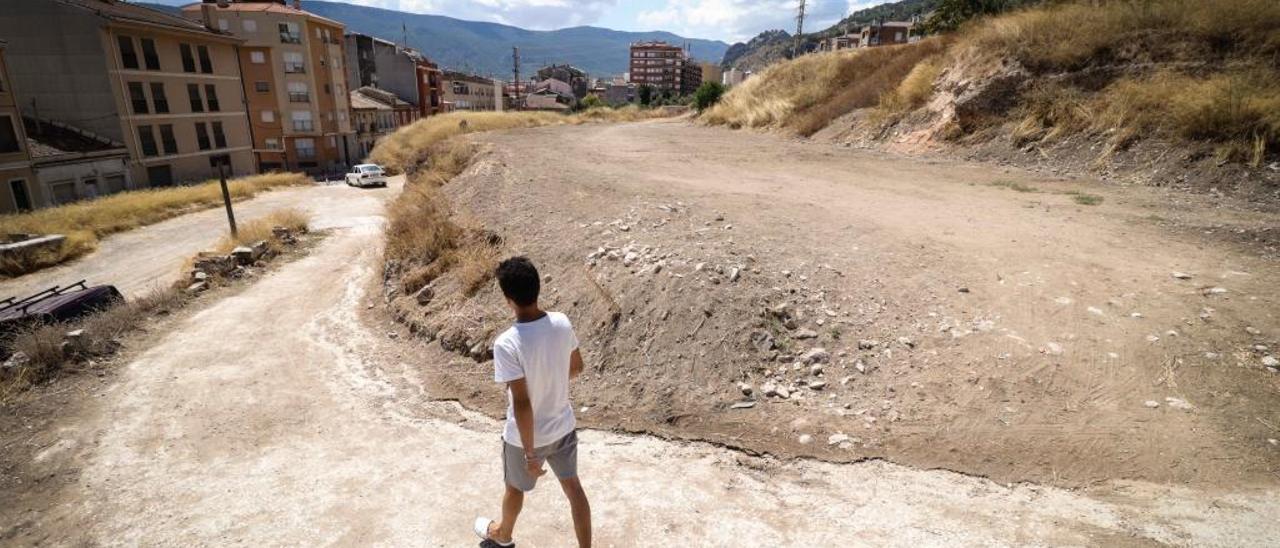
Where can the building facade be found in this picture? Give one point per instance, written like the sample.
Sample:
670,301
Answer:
15,160
577,78
470,92
378,113
295,81
164,88
406,72
664,67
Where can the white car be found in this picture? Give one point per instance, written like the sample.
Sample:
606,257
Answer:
367,175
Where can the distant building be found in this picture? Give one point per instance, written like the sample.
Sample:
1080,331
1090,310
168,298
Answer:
733,77
470,92
406,72
887,34
712,72
295,81
616,94
20,189
665,67
164,88
377,113
578,80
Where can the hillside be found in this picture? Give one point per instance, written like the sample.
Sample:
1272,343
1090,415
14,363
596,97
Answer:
774,45
1172,93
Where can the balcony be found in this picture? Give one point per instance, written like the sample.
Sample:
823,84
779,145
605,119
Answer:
295,68
290,38
299,97
304,125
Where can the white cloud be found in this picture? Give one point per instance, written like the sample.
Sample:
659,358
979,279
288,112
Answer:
739,20
530,14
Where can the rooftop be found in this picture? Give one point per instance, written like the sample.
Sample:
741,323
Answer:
371,97
117,10
48,140
262,7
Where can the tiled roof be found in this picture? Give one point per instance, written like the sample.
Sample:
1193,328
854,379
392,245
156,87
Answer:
119,10
361,101
47,140
268,7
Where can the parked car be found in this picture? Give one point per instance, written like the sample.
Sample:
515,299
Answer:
365,175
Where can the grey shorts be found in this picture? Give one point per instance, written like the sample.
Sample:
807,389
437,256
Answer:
562,456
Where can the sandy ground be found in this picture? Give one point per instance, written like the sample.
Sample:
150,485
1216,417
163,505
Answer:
140,260
327,439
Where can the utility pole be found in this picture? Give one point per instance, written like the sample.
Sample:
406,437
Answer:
795,48
226,196
515,70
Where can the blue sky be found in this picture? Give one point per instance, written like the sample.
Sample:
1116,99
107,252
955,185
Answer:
728,20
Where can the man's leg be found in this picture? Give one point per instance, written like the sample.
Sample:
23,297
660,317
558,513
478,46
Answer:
580,508
512,502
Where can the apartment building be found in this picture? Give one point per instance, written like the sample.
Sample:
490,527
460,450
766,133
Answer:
577,78
470,92
164,88
15,160
378,113
295,80
404,71
665,67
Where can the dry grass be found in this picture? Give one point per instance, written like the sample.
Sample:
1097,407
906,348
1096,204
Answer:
806,94
258,230
85,222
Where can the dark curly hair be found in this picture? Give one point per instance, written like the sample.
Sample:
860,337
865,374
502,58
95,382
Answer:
519,280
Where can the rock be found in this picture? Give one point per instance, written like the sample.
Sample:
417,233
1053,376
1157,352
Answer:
1270,361
769,389
866,344
1151,403
963,290
815,370
805,334
197,287
763,341
734,274
817,385
1252,330
424,296
784,392
1181,275
743,405
1095,311
15,362
904,341
837,439
806,439
243,255
816,355
1215,291
1153,338
259,249
1179,403
1053,348
699,267
630,258
745,388
782,311
199,276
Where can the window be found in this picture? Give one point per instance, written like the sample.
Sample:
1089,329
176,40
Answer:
272,143
219,138
63,192
8,135
147,139
268,116
137,98
193,93
328,90
21,197
262,87
112,184
188,61
128,57
249,25
306,148
317,32
206,65
149,54
293,62
289,33
211,95
298,92
257,57
166,139
202,135
223,25
158,98
160,176
302,120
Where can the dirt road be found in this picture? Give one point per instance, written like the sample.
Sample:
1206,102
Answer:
328,439
151,256
292,414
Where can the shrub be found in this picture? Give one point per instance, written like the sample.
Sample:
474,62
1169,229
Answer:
707,95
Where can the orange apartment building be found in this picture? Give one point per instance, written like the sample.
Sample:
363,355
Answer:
294,76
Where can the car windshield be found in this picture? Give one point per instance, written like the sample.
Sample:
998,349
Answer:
370,169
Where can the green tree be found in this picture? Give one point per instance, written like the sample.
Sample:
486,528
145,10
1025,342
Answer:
646,94
950,14
708,94
592,101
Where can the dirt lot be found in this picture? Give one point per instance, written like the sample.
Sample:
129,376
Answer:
971,317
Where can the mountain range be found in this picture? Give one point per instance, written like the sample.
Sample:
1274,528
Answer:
485,48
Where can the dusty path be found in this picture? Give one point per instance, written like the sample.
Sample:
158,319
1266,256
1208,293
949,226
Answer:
151,256
310,429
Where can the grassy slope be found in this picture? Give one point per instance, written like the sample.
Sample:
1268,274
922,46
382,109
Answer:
85,222
1189,70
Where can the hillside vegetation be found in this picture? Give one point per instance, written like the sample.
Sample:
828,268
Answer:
1117,73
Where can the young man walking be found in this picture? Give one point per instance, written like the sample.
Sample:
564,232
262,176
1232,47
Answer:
536,358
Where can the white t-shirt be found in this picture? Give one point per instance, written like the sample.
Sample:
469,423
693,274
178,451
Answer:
538,352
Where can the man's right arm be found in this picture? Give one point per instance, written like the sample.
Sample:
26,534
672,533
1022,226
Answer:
575,364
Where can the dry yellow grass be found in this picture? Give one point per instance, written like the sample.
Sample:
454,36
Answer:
85,222
259,229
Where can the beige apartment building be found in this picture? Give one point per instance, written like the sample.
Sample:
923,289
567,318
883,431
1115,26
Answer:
464,91
294,81
164,88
